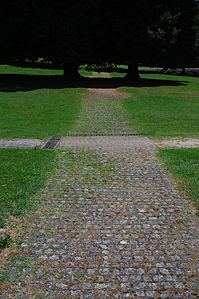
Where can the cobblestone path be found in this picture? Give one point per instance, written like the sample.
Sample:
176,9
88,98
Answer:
112,226
102,113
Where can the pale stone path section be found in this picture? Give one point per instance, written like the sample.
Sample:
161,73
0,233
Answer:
21,143
178,143
102,113
112,226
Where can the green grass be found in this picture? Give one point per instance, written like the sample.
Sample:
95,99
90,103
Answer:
36,106
22,174
184,165
86,168
83,71
39,113
9,69
5,242
159,108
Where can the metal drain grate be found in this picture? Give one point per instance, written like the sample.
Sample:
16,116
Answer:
52,142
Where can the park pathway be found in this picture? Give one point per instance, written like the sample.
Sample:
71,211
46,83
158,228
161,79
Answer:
112,224
102,114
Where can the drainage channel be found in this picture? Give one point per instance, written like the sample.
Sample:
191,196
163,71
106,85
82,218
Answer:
52,142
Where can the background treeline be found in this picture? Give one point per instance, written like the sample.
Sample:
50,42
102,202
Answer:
149,32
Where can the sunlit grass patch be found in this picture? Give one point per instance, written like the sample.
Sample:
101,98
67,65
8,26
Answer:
22,174
184,165
166,108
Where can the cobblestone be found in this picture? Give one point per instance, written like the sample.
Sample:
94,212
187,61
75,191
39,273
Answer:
112,225
115,234
102,113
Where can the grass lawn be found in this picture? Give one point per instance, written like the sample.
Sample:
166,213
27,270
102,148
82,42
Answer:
22,174
29,107
34,103
164,110
84,72
9,69
184,165
39,113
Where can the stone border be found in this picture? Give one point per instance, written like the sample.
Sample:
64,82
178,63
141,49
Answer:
178,143
21,143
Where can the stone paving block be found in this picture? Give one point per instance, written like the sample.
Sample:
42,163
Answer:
21,143
112,226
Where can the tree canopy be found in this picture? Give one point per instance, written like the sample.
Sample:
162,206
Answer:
157,32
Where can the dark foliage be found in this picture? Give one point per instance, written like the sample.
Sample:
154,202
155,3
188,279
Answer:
98,31
5,242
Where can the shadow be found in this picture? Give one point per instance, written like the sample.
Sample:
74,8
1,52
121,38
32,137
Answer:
13,83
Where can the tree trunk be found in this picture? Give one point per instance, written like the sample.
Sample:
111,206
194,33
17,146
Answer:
71,71
132,72
183,71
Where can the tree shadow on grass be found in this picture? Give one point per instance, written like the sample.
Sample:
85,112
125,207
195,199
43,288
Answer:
13,83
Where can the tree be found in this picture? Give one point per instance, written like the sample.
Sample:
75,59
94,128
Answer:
98,31
172,34
196,29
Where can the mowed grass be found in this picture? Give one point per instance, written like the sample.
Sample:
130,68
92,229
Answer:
164,106
184,165
38,114
23,172
36,106
11,69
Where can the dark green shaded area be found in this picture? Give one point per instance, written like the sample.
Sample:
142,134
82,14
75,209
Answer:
164,111
5,242
22,174
184,165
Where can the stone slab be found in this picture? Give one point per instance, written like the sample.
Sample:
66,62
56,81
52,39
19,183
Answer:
20,143
177,143
108,143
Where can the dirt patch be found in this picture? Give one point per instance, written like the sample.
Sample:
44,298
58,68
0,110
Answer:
178,143
107,93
